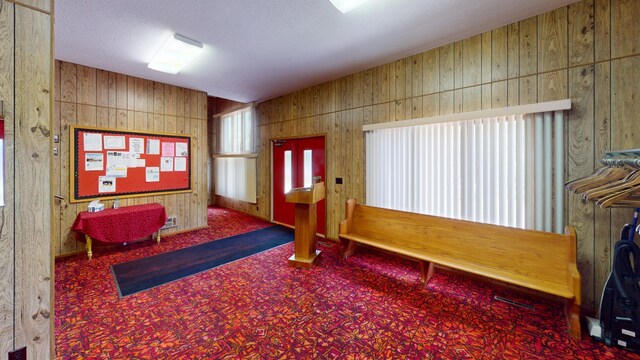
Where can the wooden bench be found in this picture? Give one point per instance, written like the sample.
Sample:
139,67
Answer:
536,260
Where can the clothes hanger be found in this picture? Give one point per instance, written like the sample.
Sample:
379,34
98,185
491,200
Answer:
617,197
607,176
599,192
573,183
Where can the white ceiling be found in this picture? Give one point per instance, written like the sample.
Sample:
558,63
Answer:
259,49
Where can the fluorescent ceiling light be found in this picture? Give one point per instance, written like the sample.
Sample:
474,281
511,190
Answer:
177,52
346,5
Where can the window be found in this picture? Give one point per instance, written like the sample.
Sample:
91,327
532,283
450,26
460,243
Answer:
494,169
236,132
235,163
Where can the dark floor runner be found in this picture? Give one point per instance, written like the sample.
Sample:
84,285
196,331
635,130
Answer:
142,274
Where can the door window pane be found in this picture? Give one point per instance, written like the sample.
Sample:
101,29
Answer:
287,171
308,165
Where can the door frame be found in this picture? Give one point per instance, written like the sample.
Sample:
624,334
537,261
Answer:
280,138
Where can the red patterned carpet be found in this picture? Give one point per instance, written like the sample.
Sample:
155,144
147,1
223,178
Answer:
369,307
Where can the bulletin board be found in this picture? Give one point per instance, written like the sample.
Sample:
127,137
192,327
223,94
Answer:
109,163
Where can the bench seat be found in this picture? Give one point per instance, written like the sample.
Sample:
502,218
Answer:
532,259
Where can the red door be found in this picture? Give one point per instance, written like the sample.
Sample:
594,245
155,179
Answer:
295,163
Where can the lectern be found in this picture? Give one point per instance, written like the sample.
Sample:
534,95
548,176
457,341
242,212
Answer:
306,221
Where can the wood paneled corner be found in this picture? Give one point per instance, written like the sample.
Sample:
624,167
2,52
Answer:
94,97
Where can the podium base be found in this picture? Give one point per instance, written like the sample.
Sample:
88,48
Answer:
304,263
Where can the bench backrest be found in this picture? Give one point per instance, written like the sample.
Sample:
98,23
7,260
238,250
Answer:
504,253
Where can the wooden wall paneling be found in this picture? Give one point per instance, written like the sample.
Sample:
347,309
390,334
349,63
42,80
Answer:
113,118
472,61
399,85
552,86
33,66
417,75
458,100
150,95
56,164
381,84
430,105
513,92
121,91
472,98
446,105
528,89
102,88
486,57
499,93
347,162
513,50
181,102
140,95
603,239
7,243
446,62
581,162
416,108
602,30
486,96
581,24
131,93
194,206
625,133
499,54
625,33
158,99
170,97
457,68
528,46
367,88
202,196
68,85
102,117
68,211
182,200
358,90
431,71
86,85
113,90
552,40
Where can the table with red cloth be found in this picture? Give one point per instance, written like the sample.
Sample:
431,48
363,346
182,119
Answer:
120,225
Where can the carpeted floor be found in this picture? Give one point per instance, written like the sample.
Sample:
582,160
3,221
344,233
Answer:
368,307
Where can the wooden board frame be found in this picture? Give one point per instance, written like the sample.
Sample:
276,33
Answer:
75,176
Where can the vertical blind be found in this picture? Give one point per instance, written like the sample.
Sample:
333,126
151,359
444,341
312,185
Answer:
471,170
236,175
490,169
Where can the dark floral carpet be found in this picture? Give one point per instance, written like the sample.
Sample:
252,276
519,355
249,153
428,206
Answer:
370,306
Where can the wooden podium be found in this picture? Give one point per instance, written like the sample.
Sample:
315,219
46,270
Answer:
306,221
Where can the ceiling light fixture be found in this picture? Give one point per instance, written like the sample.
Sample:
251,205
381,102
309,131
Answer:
177,52
346,5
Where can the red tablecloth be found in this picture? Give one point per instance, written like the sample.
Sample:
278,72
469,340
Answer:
121,225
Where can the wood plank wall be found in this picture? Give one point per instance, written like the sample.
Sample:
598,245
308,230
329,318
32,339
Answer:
94,97
587,51
26,269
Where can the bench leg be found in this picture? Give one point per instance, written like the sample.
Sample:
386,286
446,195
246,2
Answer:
348,248
572,313
426,272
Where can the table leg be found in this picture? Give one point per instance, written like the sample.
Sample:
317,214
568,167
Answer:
89,253
158,237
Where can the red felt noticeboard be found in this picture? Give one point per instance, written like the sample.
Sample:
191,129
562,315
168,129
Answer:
97,169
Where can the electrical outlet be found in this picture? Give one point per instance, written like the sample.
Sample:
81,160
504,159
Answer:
18,354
